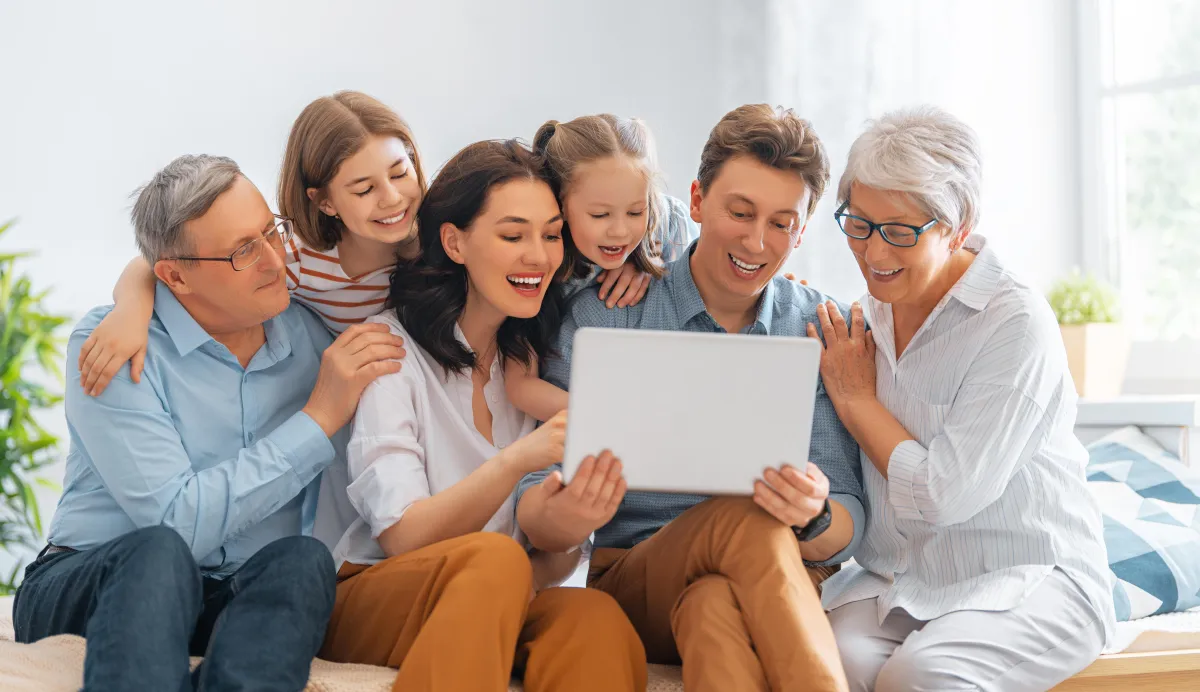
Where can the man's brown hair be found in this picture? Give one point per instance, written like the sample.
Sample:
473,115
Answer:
773,136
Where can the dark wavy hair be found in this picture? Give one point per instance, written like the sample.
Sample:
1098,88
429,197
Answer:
428,293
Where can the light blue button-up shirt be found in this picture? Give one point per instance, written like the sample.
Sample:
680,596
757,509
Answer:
218,452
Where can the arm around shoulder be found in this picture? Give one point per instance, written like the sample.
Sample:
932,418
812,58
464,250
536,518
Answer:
122,335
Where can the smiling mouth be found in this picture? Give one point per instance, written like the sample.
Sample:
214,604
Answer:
526,284
743,268
885,275
393,220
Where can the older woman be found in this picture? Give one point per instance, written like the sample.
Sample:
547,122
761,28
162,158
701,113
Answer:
983,565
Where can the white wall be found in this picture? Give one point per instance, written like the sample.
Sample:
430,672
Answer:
94,97
97,96
1007,67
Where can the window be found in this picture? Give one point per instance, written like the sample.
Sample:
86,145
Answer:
1140,76
1139,81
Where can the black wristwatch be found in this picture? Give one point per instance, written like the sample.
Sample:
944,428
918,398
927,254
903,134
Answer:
816,526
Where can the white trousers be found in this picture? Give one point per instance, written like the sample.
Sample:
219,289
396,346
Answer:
1050,636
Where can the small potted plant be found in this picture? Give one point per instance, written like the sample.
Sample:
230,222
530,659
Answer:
1097,344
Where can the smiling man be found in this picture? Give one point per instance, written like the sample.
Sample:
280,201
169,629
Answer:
721,584
187,493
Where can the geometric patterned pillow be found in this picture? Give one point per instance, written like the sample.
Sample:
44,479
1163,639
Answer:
1151,506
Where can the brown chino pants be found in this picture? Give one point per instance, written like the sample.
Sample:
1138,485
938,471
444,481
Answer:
457,616
724,589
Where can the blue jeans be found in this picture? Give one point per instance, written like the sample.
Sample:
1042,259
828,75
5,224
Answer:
143,606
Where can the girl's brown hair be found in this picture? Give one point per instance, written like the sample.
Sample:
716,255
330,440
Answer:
329,131
564,146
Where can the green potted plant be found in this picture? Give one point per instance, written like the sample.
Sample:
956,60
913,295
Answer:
1097,344
30,351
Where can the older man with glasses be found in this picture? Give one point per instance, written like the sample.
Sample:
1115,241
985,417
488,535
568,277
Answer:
188,494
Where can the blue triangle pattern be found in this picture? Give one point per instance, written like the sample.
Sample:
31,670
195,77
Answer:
1172,491
1121,601
1162,518
1153,575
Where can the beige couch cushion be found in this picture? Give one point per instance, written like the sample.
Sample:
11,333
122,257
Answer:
56,663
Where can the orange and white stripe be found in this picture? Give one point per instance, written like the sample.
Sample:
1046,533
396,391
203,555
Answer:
316,279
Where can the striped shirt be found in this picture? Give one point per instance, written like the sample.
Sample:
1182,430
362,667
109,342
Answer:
991,495
673,303
316,280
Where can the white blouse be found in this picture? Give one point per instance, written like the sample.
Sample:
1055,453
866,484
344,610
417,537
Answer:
414,435
991,495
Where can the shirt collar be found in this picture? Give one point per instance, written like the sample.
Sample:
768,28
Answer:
686,296
766,307
982,278
278,341
684,293
187,334
493,367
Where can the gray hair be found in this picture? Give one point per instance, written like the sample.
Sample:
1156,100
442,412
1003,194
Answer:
925,152
182,191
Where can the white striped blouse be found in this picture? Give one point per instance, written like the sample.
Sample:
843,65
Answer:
991,495
316,279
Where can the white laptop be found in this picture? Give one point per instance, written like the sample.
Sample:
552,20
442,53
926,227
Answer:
688,412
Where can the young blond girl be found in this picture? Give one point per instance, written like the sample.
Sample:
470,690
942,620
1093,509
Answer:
621,228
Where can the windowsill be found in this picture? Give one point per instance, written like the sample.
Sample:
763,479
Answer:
1173,421
1163,367
1169,410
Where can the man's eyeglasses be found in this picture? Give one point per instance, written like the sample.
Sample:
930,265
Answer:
247,254
898,234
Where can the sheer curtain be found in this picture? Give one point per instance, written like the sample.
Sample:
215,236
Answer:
1005,66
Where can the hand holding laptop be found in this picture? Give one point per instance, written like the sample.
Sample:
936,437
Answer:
590,502
791,496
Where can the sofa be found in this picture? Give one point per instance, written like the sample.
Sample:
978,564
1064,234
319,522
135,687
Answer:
1153,654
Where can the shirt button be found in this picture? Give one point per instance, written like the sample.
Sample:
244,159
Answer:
250,437
494,398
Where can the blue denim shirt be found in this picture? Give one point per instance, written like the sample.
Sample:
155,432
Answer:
673,303
220,453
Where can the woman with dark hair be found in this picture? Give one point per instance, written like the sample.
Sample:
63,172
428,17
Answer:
433,578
